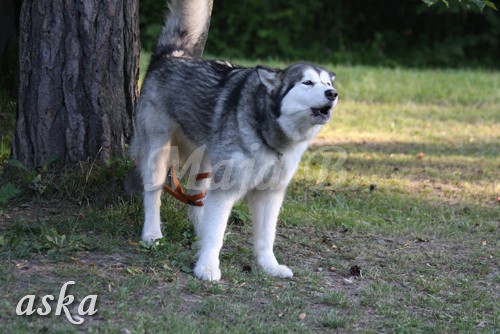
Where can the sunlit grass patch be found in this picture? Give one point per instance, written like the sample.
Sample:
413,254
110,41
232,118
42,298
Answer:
446,87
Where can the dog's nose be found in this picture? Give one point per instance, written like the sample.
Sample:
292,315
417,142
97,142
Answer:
331,94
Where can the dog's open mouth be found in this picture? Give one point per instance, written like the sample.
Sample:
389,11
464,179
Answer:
321,115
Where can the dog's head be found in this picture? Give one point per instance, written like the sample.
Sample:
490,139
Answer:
304,94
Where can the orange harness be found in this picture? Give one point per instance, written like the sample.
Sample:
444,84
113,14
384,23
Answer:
178,192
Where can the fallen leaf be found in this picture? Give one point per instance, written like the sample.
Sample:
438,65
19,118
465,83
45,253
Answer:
420,239
37,179
23,265
133,243
247,268
420,155
302,316
355,271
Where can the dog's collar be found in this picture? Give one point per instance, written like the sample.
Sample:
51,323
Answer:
278,152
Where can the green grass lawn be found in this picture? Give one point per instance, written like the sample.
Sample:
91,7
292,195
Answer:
399,236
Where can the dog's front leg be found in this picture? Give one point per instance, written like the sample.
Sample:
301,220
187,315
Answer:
264,207
217,208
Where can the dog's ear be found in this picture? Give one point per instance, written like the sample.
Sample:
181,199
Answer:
269,77
332,76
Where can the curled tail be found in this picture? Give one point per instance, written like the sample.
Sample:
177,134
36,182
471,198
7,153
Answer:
186,28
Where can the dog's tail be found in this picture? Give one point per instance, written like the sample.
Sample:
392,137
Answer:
186,28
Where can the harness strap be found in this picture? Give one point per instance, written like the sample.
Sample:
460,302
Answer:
179,194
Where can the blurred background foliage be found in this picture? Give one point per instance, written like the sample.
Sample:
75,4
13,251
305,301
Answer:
388,33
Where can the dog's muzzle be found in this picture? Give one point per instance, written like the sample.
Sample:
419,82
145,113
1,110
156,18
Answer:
322,114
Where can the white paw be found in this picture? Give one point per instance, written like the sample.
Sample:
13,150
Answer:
151,237
207,273
279,270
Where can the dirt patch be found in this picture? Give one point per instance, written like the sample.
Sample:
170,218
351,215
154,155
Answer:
32,211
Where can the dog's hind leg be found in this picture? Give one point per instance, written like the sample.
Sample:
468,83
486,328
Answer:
195,213
264,207
154,171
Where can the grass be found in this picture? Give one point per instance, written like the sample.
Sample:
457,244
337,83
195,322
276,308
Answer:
400,237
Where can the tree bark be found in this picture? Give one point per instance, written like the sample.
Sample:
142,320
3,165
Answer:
79,63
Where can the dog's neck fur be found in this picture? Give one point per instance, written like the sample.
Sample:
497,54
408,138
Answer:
269,129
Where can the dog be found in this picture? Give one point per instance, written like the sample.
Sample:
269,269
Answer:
247,127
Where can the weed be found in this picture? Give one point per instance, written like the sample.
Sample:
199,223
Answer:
333,320
337,299
8,191
52,241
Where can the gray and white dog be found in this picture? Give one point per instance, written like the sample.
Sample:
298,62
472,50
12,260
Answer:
247,126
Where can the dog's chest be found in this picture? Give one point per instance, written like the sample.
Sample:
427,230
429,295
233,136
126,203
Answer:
275,170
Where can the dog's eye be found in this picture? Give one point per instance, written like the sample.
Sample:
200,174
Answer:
307,83
329,84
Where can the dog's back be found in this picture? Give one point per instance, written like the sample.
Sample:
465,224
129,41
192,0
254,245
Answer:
183,35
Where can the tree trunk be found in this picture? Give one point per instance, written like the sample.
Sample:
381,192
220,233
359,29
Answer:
78,79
